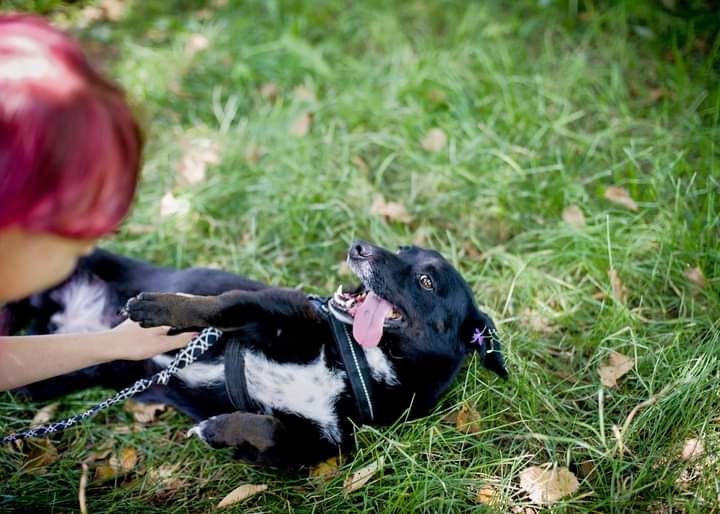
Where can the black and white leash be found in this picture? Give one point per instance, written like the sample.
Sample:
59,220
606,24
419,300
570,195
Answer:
195,348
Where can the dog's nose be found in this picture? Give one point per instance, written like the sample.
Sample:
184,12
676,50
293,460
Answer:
360,250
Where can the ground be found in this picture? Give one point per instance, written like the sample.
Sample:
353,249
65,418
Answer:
276,129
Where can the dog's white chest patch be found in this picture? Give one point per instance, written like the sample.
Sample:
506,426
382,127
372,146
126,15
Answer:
84,305
309,390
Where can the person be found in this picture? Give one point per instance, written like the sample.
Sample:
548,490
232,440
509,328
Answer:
69,163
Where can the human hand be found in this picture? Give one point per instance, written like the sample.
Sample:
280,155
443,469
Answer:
132,342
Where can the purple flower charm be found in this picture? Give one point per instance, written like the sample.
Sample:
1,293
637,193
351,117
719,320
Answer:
477,338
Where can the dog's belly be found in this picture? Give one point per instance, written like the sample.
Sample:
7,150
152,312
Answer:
308,390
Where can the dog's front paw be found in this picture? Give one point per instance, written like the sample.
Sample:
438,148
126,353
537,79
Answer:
151,309
199,432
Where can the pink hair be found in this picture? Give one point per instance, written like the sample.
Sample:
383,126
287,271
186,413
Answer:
69,145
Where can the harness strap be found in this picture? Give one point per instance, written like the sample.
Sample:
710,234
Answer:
235,383
354,360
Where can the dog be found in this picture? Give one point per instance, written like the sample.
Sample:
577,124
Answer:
292,373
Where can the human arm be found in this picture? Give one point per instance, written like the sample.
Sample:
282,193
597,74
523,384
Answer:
28,359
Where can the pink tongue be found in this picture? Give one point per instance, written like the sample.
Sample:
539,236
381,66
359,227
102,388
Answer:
369,319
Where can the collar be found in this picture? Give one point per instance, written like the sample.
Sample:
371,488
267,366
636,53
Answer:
353,357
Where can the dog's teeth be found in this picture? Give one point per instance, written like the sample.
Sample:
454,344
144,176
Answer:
339,291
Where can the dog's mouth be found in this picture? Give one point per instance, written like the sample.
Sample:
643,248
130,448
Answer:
368,313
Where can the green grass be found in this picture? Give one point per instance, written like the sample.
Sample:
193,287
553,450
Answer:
544,107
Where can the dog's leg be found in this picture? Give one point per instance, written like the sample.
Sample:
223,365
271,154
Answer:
227,311
265,439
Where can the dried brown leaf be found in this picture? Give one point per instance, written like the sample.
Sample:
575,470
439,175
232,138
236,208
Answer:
144,412
547,484
113,10
618,288
362,476
304,94
45,414
170,205
302,124
696,277
467,420
620,196
126,460
326,470
573,216
536,322
196,43
435,140
360,163
164,478
269,91
42,453
486,495
253,153
241,493
393,211
198,155
618,365
692,449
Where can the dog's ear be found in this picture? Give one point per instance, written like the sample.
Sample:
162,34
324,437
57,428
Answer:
478,333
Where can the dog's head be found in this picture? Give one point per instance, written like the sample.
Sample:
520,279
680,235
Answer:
416,300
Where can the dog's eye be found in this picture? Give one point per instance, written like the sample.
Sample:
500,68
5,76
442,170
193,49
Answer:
426,282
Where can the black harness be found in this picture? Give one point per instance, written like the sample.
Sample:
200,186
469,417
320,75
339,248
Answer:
351,353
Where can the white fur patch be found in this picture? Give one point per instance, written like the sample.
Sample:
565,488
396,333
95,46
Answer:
309,390
381,368
84,305
197,374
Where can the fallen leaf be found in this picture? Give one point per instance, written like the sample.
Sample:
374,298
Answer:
304,94
434,140
164,478
618,288
326,469
198,154
620,196
467,420
45,414
548,484
486,495
241,493
82,498
253,153
536,322
393,211
196,43
119,464
617,367
42,454
360,163
657,94
126,460
269,91
113,10
144,412
696,277
437,96
172,206
692,449
362,476
302,124
573,216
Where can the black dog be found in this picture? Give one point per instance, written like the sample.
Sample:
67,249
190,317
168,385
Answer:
289,380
